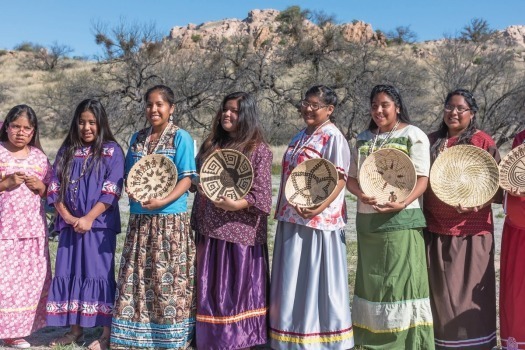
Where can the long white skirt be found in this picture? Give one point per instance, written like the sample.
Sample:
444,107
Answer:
309,298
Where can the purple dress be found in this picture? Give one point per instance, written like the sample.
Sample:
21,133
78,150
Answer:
83,289
232,265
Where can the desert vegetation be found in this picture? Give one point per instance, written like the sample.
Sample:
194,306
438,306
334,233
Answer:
296,49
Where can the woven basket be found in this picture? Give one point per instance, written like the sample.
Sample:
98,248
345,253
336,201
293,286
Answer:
466,175
153,176
311,183
388,175
228,173
512,170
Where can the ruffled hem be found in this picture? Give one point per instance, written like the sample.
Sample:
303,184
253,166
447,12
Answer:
85,302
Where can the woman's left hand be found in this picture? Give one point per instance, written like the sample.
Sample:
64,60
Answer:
34,184
389,207
307,213
227,204
152,204
516,192
83,225
460,209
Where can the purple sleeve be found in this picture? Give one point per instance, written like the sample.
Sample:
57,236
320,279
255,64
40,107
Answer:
113,177
260,195
53,188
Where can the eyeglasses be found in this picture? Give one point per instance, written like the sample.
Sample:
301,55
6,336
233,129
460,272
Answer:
26,130
313,106
460,109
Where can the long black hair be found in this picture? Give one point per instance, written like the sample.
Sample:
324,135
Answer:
394,94
73,141
17,112
466,136
249,132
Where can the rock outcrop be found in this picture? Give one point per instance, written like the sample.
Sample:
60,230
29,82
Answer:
261,27
514,35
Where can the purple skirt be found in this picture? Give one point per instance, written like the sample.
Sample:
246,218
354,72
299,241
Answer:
232,290
83,289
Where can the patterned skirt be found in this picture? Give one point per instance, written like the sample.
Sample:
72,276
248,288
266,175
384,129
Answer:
391,305
512,287
25,275
155,300
463,290
309,298
232,286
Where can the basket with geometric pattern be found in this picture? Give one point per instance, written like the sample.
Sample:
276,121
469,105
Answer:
311,183
226,172
152,176
512,170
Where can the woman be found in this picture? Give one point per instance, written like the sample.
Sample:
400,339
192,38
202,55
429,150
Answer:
25,272
155,303
460,243
309,299
85,189
232,253
391,305
512,274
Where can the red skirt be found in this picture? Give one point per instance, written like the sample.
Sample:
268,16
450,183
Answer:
512,287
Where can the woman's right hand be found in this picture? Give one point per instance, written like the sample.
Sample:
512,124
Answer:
516,192
370,200
14,180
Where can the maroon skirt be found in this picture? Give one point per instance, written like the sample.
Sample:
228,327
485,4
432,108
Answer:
462,290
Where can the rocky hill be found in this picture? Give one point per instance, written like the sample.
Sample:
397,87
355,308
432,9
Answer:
261,27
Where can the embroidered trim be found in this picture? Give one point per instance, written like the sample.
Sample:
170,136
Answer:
391,317
86,309
231,319
112,188
83,152
466,342
311,338
152,334
54,187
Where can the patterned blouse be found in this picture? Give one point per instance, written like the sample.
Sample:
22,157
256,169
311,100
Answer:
329,143
248,226
443,218
21,210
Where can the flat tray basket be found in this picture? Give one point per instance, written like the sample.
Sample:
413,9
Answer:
311,183
466,175
228,173
388,175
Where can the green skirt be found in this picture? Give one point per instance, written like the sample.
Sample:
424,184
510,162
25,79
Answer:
391,307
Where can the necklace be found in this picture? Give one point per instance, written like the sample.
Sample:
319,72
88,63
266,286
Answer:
75,183
444,145
301,143
371,149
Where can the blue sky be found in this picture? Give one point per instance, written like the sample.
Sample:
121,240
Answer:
70,22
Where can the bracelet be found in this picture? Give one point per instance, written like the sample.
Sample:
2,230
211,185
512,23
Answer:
404,204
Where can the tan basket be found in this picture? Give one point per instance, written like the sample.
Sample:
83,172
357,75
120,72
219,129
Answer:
512,170
388,175
311,183
228,173
466,175
153,176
